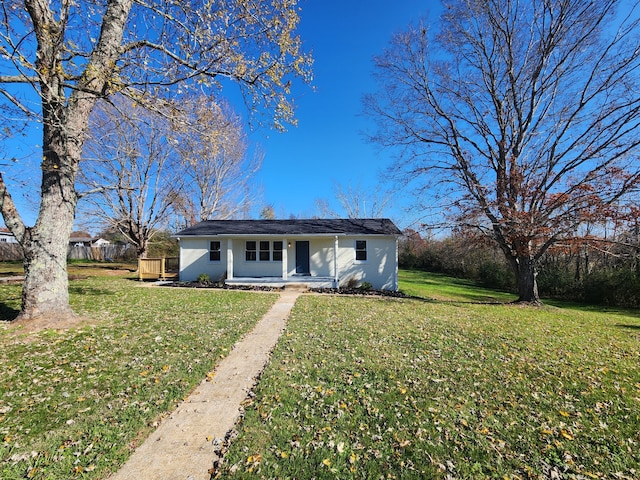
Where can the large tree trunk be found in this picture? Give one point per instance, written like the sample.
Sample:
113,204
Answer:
526,279
142,250
64,123
45,291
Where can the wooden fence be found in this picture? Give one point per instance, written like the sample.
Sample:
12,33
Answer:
103,253
10,252
13,252
158,268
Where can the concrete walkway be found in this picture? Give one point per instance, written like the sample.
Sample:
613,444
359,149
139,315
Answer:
184,445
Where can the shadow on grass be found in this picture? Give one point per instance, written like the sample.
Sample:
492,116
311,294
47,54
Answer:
627,326
83,290
7,313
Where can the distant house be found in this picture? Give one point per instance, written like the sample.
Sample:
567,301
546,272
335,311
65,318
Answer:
316,252
80,239
6,236
100,242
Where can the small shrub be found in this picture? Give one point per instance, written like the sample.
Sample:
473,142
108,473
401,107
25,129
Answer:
351,282
204,279
366,286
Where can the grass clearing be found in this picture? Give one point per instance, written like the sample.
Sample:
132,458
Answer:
387,388
435,286
73,403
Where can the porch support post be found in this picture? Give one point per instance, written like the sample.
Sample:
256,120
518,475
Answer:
395,273
229,258
285,261
336,279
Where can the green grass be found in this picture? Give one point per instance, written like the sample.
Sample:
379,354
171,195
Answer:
73,403
441,287
358,387
387,388
9,269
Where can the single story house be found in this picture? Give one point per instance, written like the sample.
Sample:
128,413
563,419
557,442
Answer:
315,252
80,239
84,239
6,236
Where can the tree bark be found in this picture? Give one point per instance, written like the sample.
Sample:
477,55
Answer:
45,289
64,120
526,278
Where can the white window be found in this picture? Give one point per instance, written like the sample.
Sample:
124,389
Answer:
277,251
214,251
263,251
361,250
250,251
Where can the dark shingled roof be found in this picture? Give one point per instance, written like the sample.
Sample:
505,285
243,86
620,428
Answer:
343,226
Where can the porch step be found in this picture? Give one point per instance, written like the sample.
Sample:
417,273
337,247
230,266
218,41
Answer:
297,287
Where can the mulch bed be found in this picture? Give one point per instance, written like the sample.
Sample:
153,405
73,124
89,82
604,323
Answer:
332,291
221,286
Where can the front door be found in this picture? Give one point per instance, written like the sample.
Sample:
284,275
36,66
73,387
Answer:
302,258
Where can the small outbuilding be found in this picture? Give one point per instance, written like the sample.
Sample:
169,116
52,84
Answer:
6,236
322,253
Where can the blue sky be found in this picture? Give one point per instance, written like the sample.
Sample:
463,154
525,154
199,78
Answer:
328,146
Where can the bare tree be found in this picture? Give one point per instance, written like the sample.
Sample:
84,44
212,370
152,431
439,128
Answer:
129,168
58,57
267,212
216,166
523,114
355,202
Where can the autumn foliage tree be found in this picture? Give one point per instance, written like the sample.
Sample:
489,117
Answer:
216,167
59,57
522,116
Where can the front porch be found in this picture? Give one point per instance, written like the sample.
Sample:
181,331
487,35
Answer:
279,282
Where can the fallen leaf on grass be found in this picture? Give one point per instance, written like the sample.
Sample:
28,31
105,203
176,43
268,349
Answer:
566,434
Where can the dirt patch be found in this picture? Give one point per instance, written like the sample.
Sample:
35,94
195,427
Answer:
31,326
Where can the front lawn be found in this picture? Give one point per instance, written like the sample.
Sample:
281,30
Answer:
358,387
386,388
74,403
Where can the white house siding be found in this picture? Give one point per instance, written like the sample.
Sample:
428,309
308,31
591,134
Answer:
6,237
380,267
194,259
243,268
320,256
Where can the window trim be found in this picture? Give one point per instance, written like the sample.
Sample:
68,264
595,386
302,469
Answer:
264,254
259,254
214,250
248,252
364,250
277,252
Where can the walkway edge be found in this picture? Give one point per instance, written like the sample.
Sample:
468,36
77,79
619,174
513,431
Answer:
184,445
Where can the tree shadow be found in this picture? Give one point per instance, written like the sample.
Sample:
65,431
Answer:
84,290
7,313
628,326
